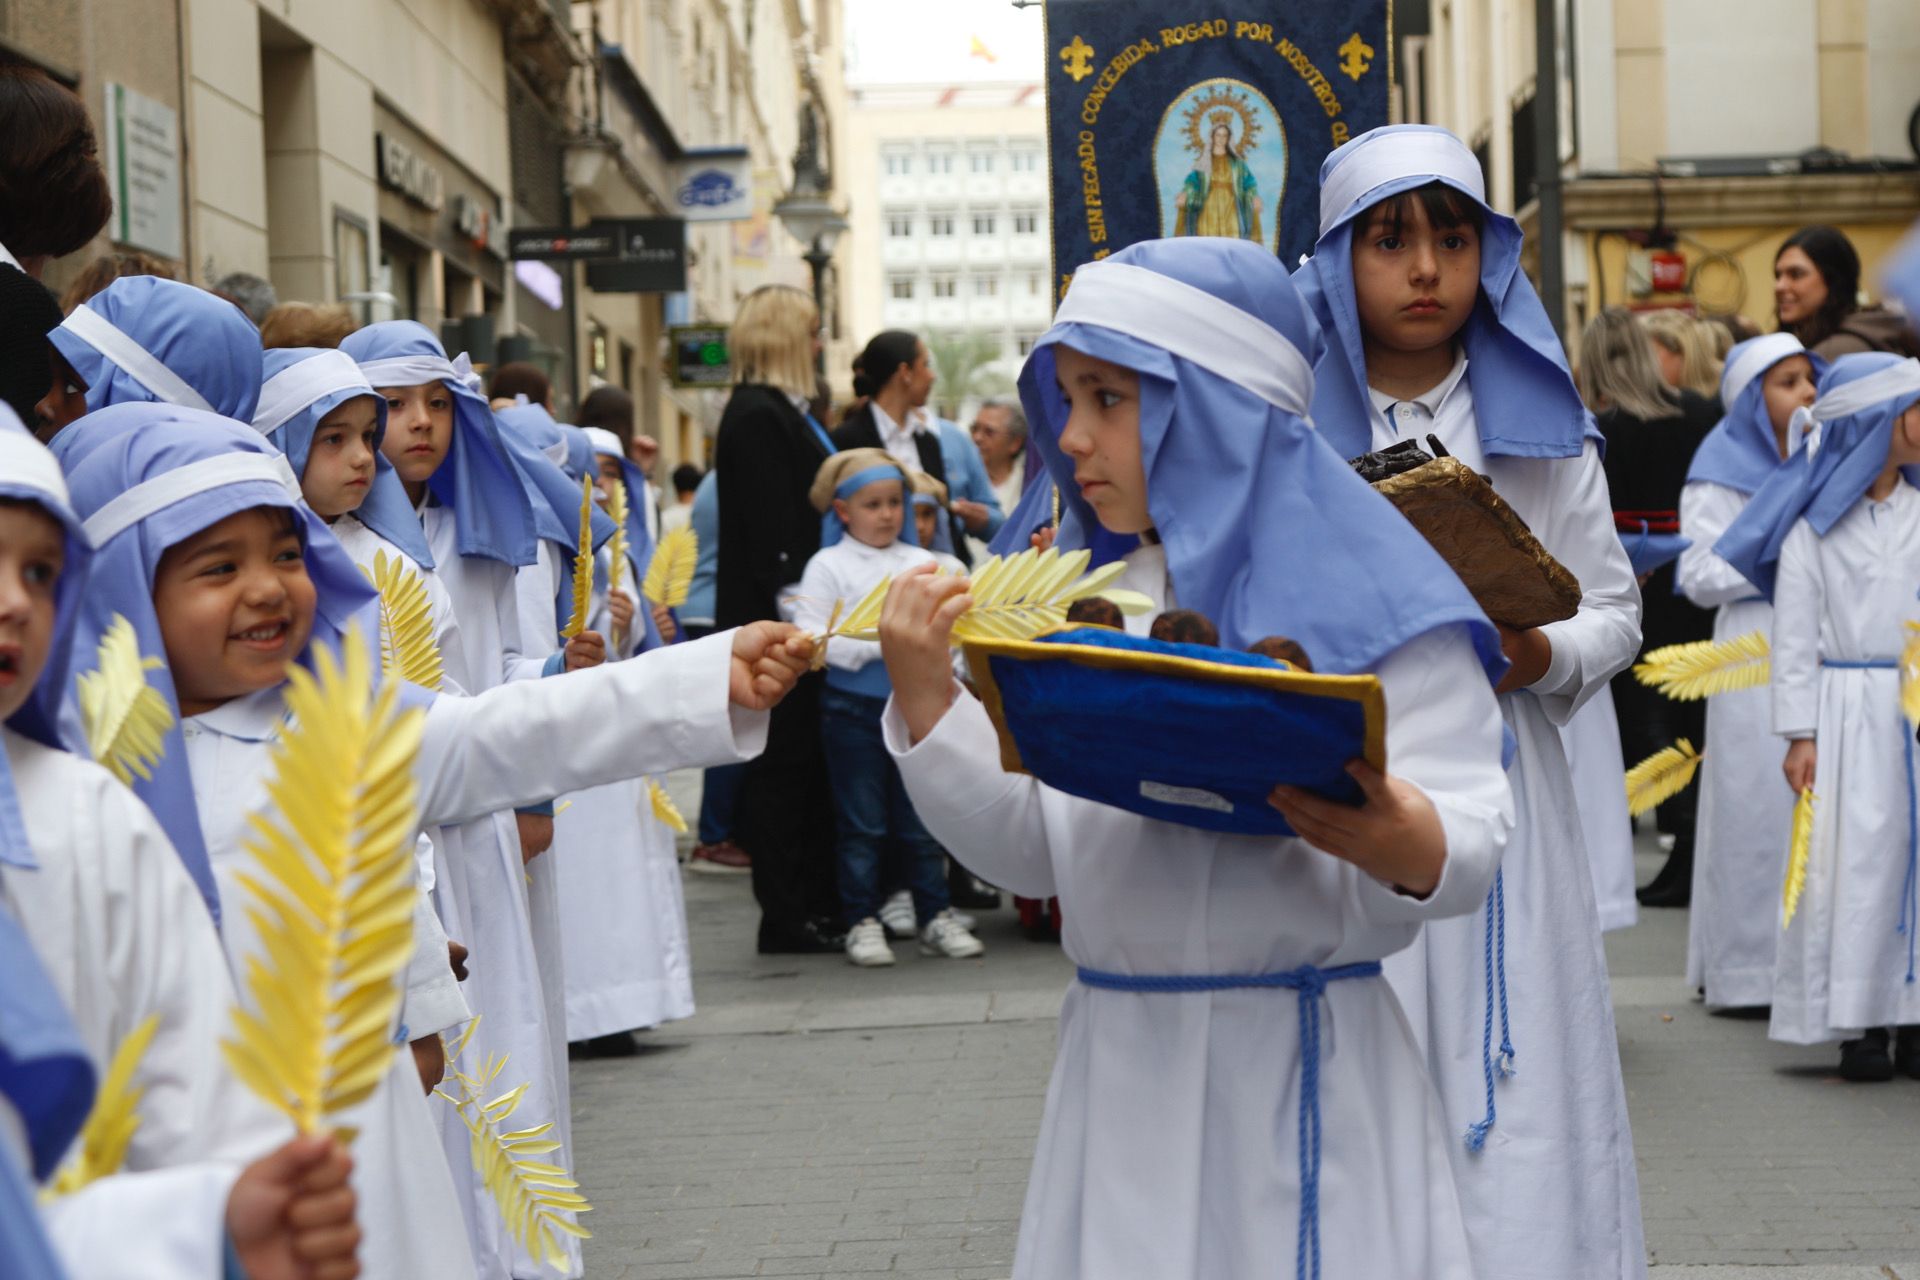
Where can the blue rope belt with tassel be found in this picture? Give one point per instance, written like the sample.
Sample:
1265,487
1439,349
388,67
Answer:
1909,898
1310,984
1495,968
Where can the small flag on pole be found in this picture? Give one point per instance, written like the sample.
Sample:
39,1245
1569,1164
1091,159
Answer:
980,50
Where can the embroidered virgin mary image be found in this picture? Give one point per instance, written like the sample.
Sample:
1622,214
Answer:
1221,162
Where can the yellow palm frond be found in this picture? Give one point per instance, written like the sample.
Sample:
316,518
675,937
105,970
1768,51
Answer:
110,1126
582,566
1703,668
1661,776
617,544
1015,598
670,572
1799,850
534,1198
331,893
664,808
1910,676
126,718
407,647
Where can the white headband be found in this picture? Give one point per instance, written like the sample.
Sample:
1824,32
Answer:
604,441
27,462
1761,354
135,360
1850,398
1400,154
1194,325
163,491
412,371
295,387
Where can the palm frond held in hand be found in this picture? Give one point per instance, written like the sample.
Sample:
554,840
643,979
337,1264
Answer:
126,718
1910,676
407,647
1799,850
534,1198
670,572
110,1126
1704,668
582,566
330,893
1661,776
665,809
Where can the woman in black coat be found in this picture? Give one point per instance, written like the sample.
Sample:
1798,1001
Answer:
768,450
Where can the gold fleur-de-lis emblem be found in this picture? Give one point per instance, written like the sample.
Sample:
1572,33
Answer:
1079,59
1356,55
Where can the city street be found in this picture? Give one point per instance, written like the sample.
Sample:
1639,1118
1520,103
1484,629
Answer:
816,1120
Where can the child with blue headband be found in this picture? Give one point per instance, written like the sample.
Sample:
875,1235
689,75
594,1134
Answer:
1833,536
863,498
1433,329
1745,814
1235,1085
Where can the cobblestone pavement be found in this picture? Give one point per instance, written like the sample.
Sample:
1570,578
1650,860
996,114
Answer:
816,1120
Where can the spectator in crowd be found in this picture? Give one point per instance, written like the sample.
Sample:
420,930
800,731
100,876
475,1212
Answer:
248,292
306,324
1000,434
1652,431
54,196
971,508
768,451
1684,349
107,268
519,378
612,408
686,482
1816,294
715,851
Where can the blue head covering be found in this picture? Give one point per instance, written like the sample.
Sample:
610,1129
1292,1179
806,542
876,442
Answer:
1523,395
942,526
1861,397
304,385
1267,530
479,481
28,473
1741,452
148,489
45,1075
551,465
144,338
602,443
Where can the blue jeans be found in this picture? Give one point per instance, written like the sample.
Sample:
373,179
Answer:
871,808
718,785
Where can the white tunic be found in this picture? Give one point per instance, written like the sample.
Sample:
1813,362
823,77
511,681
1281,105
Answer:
622,914
1746,809
1842,964
1592,742
1169,1147
1554,1192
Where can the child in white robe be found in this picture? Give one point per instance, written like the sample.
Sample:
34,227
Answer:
1835,535
241,575
1212,1132
1745,815
1432,328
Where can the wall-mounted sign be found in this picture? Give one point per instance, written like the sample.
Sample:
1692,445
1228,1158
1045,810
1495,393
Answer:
563,243
700,356
473,220
651,256
143,164
714,185
405,171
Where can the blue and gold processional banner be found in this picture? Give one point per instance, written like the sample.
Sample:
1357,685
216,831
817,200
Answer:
1181,117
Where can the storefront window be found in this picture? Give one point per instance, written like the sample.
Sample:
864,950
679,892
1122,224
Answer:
400,263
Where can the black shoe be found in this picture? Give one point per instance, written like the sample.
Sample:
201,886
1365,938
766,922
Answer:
807,938
1906,1051
1866,1061
966,891
1673,887
620,1044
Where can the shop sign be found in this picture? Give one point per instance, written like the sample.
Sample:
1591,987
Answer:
405,171
700,356
143,165
650,257
563,243
714,185
473,220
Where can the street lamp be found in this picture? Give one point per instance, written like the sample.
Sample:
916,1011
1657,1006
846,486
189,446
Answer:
810,216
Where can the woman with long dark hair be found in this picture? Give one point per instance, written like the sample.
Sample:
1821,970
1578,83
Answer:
1816,295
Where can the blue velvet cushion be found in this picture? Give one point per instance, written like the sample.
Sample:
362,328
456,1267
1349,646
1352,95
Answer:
1184,733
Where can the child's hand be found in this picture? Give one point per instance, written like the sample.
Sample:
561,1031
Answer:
430,1060
457,960
1801,757
768,660
1395,836
536,835
621,605
290,1214
664,623
1529,652
585,650
1042,539
916,639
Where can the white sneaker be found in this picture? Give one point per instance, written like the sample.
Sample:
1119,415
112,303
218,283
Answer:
867,945
897,914
946,936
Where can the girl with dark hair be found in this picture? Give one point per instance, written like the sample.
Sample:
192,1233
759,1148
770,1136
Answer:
1816,287
53,193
